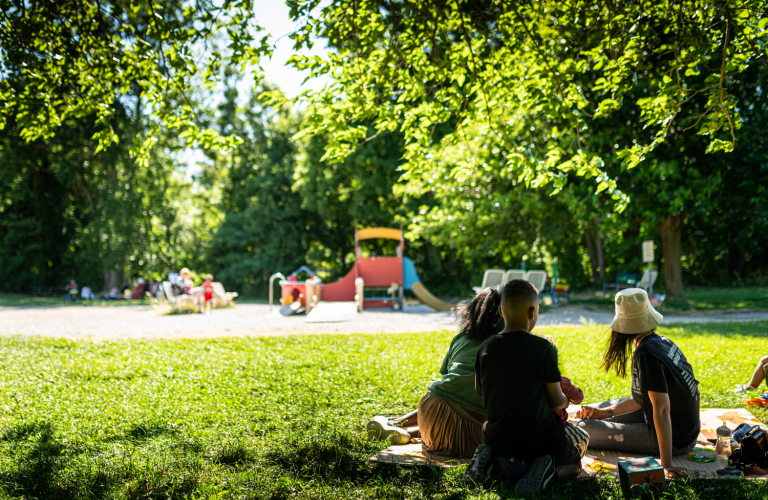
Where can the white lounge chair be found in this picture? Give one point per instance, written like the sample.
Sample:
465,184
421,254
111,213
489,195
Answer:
648,279
537,279
514,274
177,300
226,297
492,277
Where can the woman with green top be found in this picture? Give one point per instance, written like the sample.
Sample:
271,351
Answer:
450,416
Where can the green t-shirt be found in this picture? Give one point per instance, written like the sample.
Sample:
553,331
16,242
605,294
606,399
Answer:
458,371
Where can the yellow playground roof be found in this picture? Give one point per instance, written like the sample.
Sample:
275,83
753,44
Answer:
379,232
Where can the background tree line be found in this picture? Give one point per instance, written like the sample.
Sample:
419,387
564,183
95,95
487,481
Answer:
503,131
271,204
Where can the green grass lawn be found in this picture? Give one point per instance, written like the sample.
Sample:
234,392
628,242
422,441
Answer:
697,299
20,300
278,417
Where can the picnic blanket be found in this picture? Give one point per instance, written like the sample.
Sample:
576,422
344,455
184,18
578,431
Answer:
596,461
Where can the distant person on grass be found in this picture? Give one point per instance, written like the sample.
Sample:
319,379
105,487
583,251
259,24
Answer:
661,418
138,291
760,374
518,377
186,282
87,294
451,415
71,289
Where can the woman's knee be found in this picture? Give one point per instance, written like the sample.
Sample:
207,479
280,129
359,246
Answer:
763,361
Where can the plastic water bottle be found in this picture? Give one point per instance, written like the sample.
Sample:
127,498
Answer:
723,448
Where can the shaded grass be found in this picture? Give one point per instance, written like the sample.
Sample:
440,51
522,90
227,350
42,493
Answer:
697,299
279,417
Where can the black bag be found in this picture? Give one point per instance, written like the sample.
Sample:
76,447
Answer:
752,450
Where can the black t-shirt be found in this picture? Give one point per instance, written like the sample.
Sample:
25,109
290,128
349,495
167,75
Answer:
658,365
510,372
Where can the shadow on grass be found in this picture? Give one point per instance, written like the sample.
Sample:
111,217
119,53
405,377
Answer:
39,458
232,454
343,458
149,430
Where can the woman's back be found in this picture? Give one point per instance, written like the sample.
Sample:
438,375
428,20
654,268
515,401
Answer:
458,370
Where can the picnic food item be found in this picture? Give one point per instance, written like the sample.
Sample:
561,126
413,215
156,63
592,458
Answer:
599,466
723,448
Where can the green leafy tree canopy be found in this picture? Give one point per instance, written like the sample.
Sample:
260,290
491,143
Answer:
63,59
445,72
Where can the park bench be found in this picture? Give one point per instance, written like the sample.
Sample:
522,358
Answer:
47,291
623,280
561,290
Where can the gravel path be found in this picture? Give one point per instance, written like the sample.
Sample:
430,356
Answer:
250,319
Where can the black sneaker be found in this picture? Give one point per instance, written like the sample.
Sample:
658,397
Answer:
538,478
476,470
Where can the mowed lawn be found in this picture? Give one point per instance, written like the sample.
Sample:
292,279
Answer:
278,417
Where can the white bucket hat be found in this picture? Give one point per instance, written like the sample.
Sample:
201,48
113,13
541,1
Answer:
634,312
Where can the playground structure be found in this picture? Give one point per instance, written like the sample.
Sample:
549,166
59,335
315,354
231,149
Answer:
387,276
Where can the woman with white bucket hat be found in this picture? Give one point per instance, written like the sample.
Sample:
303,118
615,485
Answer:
661,417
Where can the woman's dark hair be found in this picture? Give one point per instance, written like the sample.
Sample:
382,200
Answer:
479,318
619,351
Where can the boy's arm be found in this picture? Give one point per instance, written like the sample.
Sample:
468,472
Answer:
555,396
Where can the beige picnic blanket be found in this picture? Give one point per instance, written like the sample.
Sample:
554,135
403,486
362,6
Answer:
712,418
595,461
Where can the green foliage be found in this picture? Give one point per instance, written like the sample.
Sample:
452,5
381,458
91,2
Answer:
64,60
278,417
68,210
529,78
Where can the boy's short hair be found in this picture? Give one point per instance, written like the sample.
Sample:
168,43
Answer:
519,291
209,277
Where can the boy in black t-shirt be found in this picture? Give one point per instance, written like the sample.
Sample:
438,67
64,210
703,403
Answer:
516,373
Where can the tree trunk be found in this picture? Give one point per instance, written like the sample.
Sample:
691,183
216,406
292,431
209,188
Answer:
671,232
113,278
592,257
600,252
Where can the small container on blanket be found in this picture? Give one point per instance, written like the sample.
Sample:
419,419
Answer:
646,472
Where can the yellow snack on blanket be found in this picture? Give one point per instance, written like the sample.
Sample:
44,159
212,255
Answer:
599,466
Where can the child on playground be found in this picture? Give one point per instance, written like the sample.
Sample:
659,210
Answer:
519,380
760,374
208,292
